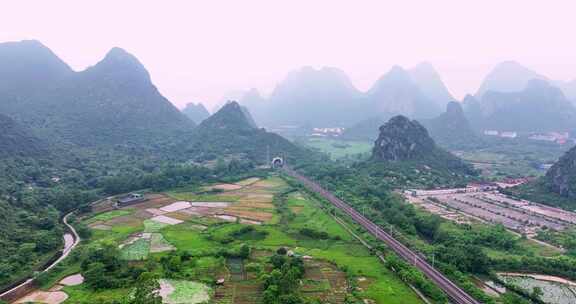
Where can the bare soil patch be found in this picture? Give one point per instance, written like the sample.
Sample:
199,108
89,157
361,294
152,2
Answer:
166,220
126,220
226,217
155,211
201,211
250,222
224,187
248,181
180,215
48,297
210,204
176,206
73,280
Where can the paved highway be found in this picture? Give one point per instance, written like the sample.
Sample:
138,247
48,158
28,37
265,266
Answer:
455,293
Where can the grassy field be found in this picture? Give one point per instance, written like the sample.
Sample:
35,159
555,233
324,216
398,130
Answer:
305,211
83,294
153,226
339,148
136,251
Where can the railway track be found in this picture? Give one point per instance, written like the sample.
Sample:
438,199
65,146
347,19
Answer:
455,293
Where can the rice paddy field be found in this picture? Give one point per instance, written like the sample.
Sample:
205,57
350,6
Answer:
206,222
554,290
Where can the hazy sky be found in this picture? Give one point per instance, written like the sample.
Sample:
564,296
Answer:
199,50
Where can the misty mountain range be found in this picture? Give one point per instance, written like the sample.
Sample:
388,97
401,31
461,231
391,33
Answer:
113,110
326,96
114,102
509,96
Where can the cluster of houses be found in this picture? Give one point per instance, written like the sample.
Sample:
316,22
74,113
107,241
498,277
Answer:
557,137
327,132
471,188
504,134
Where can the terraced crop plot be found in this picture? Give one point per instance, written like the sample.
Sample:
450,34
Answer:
153,226
137,250
106,216
324,281
249,201
159,244
184,292
236,268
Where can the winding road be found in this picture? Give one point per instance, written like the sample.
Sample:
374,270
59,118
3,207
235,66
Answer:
70,242
455,293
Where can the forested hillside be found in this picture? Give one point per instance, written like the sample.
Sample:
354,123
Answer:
405,148
230,134
112,103
16,141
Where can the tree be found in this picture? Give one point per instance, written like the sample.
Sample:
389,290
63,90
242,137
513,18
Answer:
537,292
147,290
244,251
278,260
96,276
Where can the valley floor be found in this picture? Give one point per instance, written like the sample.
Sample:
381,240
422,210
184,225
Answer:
265,214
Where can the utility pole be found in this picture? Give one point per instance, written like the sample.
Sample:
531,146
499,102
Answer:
268,161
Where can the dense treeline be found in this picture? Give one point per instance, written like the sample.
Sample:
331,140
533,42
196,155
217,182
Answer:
35,193
27,237
282,283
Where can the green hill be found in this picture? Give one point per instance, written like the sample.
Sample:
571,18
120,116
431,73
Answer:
229,133
561,178
404,146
